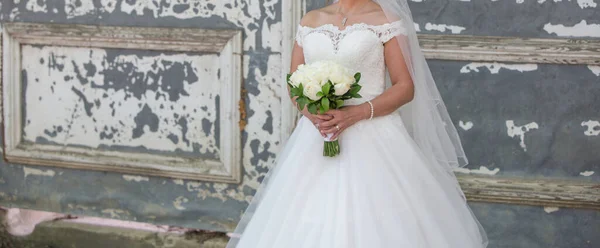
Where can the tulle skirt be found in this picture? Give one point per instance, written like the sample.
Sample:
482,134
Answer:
379,192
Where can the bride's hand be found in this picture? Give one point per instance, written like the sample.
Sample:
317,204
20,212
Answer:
342,119
317,119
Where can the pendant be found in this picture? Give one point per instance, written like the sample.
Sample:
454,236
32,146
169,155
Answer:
344,21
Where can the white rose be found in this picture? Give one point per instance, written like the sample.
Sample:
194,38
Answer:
297,78
341,89
320,77
311,89
348,79
337,75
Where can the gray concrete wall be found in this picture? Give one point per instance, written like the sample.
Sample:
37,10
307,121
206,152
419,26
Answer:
526,120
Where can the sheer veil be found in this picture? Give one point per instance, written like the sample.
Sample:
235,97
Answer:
425,117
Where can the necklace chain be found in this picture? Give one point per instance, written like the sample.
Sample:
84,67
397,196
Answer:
345,16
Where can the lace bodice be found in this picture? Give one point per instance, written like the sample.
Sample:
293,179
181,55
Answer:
359,47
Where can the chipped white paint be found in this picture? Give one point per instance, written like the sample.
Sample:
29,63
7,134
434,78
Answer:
494,68
267,101
465,125
178,181
244,14
582,3
443,28
586,173
550,209
595,69
36,6
138,179
115,213
80,207
36,172
587,4
75,8
593,128
481,171
582,29
179,201
520,131
54,113
417,27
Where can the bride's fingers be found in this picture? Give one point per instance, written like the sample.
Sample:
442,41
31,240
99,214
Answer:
329,123
324,117
336,134
329,130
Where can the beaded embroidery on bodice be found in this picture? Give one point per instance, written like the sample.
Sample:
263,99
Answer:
359,47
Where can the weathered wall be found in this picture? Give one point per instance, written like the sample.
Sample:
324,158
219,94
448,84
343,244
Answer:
144,101
526,120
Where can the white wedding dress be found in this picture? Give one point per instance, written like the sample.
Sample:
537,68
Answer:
378,192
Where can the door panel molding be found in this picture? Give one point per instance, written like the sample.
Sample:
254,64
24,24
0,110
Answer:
226,44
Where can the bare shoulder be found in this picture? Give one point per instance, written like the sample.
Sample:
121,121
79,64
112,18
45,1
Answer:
376,15
317,17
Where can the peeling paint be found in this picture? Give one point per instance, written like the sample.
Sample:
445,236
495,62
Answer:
36,5
494,68
593,128
520,131
36,172
178,203
582,29
443,28
481,171
586,173
80,207
550,209
417,27
154,102
138,179
582,3
595,69
178,181
244,14
465,125
115,213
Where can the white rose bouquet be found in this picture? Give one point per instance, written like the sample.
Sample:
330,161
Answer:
321,86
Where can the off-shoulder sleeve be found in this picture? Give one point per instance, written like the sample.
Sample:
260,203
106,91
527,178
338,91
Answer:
300,35
390,30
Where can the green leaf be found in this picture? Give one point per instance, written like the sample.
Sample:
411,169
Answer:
357,76
322,109
288,77
356,95
339,103
325,89
325,104
312,108
296,91
302,101
355,89
320,94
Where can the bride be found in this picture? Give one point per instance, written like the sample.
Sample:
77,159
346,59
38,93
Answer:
392,184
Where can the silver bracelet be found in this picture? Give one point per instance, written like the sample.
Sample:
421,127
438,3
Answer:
372,110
